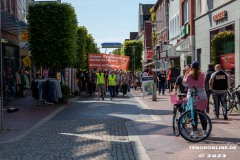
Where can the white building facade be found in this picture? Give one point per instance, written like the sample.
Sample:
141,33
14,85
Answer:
213,17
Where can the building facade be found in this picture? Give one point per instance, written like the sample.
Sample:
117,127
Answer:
161,10
144,31
212,19
13,22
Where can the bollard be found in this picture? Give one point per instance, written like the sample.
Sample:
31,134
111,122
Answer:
154,92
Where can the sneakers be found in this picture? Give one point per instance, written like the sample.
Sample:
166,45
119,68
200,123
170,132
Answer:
225,117
194,134
204,133
216,117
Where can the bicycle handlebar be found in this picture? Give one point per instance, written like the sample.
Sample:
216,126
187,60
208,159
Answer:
195,88
194,92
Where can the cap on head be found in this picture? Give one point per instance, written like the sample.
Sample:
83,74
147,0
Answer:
195,64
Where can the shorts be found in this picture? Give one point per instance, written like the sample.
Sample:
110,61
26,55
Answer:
101,88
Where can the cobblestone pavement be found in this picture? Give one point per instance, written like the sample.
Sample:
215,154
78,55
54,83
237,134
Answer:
86,129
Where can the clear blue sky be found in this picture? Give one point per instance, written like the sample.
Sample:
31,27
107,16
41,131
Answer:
108,20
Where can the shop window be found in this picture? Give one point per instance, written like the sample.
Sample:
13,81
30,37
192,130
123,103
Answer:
185,11
174,26
225,52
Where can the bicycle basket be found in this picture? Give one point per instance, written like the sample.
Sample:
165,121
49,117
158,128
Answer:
175,100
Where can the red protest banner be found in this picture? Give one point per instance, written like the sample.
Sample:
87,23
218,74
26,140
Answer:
108,61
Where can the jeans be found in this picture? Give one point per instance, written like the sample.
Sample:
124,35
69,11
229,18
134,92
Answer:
220,97
161,87
112,90
203,121
208,96
124,88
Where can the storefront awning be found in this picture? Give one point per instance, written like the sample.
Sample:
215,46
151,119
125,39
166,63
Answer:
149,64
11,24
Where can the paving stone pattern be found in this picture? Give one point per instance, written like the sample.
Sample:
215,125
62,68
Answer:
85,130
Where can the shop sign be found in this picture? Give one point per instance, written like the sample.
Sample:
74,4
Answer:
24,37
163,54
182,34
149,54
220,16
27,61
185,30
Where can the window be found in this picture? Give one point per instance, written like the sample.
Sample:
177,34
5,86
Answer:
174,26
185,11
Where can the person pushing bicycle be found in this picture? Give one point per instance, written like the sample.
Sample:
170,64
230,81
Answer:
195,77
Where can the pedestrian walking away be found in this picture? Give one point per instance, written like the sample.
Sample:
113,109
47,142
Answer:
210,71
219,84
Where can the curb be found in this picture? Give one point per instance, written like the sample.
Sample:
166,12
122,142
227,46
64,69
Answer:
38,124
138,148
151,113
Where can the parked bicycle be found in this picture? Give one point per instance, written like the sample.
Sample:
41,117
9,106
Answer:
189,121
233,99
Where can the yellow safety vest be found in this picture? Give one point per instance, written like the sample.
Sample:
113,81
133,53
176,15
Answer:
112,80
100,78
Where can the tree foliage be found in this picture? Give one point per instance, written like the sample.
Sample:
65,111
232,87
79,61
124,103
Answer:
153,14
91,47
117,51
128,51
82,34
218,42
52,29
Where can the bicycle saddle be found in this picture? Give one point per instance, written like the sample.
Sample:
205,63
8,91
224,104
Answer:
181,95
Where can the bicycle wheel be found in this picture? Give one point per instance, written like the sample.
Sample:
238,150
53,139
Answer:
176,116
186,124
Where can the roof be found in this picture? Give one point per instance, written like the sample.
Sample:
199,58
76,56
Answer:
133,35
145,10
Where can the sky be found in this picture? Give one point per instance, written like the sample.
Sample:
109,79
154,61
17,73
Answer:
108,20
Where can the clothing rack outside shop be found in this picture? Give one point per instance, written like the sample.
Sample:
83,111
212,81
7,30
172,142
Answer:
47,90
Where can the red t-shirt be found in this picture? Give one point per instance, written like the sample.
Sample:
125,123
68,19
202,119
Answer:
150,73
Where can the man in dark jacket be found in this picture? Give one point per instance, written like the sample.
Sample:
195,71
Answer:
219,83
210,71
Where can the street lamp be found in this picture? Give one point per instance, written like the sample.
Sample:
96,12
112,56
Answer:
1,70
154,29
154,85
133,60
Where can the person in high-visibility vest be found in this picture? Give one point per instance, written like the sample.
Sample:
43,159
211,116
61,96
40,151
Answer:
100,83
112,83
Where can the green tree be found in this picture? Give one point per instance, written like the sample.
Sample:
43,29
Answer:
82,34
52,29
128,51
117,51
91,47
